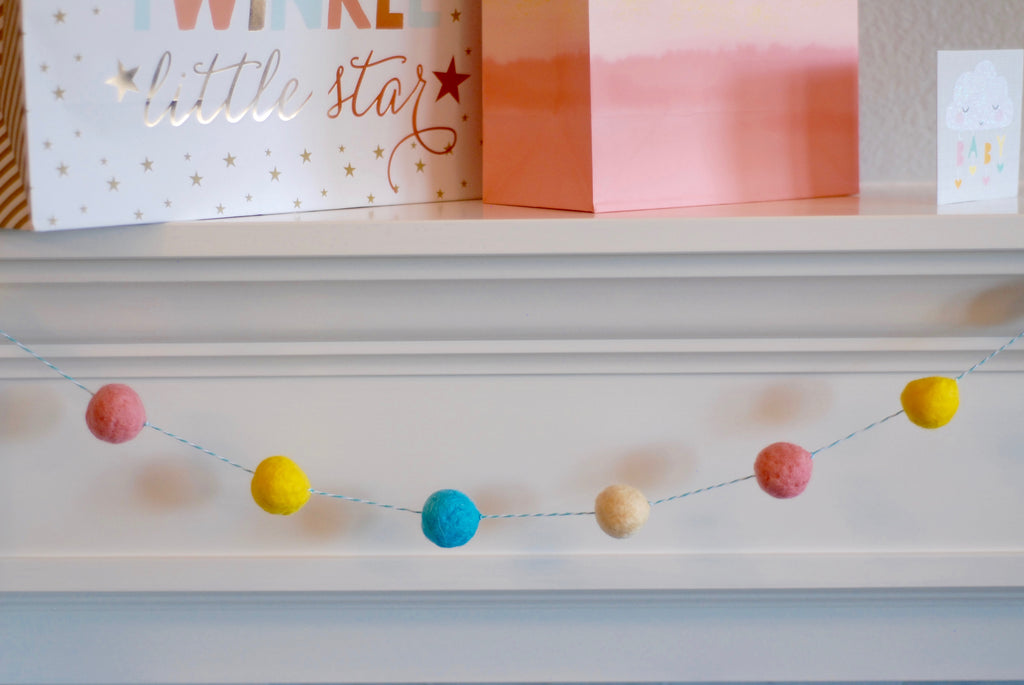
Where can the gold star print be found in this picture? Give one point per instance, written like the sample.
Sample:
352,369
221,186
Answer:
350,170
103,162
197,180
113,183
370,198
96,10
188,156
78,57
440,194
419,166
267,151
62,169
221,208
341,148
84,209
138,214
456,15
59,16
248,197
44,67
379,152
297,204
230,160
275,175
124,81
47,145
78,134
323,192
168,203
59,93
305,155
53,221
147,165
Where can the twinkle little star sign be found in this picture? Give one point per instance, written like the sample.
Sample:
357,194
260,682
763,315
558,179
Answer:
138,111
979,114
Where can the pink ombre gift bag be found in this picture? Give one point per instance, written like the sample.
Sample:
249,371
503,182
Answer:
602,105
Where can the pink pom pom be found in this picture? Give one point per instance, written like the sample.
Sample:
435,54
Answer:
783,469
115,413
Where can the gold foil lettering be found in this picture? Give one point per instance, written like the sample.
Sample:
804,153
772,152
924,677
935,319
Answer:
257,15
268,75
215,86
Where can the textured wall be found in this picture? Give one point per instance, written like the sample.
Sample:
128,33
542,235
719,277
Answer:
898,41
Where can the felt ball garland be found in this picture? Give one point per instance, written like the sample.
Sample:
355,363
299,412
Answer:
931,402
783,469
621,510
279,486
449,518
115,413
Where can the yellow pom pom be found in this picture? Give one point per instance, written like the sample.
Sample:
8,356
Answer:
931,402
279,486
621,510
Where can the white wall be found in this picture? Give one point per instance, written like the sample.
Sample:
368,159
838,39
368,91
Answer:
898,40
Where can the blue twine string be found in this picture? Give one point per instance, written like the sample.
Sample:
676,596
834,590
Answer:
202,449
359,500
708,488
987,359
855,433
557,514
44,361
392,507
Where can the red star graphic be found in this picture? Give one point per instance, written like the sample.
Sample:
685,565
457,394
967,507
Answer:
450,81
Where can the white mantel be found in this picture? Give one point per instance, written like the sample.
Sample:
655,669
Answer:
528,358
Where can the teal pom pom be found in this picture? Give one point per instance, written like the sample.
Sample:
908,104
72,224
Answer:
450,518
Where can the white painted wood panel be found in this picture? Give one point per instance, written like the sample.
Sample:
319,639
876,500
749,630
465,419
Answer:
540,637
528,359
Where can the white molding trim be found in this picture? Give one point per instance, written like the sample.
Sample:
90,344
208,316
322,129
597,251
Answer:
567,636
455,572
509,357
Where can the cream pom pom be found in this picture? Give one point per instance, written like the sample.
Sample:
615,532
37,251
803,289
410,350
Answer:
621,510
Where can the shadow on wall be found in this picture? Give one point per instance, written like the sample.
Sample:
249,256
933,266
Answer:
172,484
772,405
29,412
1000,305
645,467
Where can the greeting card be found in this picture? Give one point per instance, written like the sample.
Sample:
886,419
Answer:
137,111
979,111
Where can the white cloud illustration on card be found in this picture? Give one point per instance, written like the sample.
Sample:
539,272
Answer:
979,110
